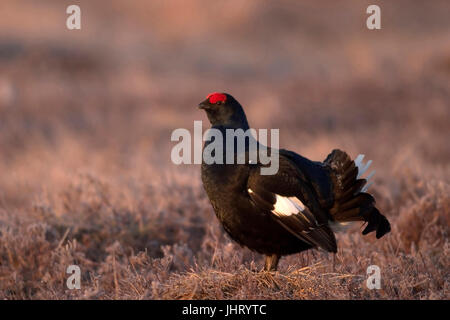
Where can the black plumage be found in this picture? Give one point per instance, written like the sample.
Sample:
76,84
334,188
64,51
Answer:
292,210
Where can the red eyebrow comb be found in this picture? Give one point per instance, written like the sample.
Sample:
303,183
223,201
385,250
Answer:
216,96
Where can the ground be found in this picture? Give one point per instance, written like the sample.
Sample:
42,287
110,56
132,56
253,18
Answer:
85,124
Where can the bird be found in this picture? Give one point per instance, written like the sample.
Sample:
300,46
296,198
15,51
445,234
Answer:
298,208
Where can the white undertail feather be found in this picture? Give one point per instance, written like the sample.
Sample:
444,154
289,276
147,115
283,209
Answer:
364,189
358,160
362,168
370,175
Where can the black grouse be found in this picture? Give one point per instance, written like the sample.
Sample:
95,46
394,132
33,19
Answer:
292,210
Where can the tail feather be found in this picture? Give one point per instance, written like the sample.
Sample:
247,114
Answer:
351,192
364,189
352,202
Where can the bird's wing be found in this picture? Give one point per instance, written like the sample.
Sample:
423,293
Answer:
292,204
315,174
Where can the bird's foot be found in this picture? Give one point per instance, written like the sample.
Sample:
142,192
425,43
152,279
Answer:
271,262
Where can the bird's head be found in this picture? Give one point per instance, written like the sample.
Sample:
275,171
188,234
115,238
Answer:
223,110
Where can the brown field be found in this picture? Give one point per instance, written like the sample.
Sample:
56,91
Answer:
85,124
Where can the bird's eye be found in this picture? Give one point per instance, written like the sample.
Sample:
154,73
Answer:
219,102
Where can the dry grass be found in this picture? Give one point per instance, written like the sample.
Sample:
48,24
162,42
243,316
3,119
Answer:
85,123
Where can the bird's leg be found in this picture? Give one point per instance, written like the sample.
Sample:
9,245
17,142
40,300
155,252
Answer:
271,262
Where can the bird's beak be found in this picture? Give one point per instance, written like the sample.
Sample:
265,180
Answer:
203,105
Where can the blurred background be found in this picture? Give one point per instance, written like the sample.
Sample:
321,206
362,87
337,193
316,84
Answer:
86,117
